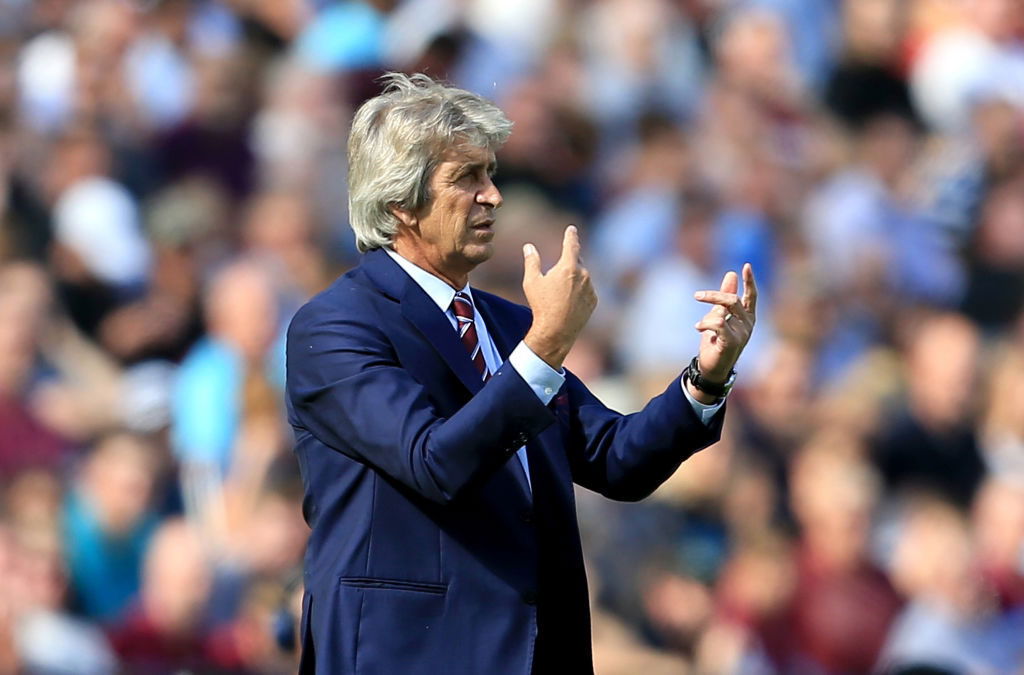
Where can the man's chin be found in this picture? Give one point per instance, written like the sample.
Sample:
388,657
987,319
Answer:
477,253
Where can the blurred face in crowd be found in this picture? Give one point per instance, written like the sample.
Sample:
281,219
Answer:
998,519
39,574
759,578
177,578
754,51
996,123
118,482
242,309
942,362
279,222
1000,238
888,145
278,535
221,89
933,555
872,28
454,232
33,498
833,493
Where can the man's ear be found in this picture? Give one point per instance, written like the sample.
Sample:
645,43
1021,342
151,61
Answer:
405,216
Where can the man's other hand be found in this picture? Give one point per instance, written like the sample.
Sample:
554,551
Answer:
562,300
726,328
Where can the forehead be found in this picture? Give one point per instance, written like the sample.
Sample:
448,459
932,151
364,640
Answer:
466,154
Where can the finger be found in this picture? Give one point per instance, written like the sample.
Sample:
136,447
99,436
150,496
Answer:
711,322
570,246
531,262
749,288
730,282
728,300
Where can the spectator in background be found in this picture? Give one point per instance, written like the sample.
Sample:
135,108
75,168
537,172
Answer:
638,223
995,284
950,622
45,638
184,223
226,417
750,620
99,252
247,597
843,603
639,56
164,633
1002,424
159,78
107,523
347,35
298,138
213,141
280,226
775,420
998,536
24,308
687,261
869,237
930,442
981,38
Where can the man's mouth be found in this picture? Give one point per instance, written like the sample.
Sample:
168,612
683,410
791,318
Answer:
484,225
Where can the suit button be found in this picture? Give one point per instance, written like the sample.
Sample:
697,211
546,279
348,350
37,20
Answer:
527,516
530,597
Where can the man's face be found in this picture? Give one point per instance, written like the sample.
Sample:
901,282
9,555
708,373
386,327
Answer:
454,232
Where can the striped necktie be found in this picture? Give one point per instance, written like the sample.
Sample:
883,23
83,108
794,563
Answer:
462,307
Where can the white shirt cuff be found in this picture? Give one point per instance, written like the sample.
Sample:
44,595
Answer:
542,378
705,411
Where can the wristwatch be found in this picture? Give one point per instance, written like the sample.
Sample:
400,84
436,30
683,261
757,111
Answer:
717,389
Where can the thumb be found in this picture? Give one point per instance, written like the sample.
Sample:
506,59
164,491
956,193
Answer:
531,262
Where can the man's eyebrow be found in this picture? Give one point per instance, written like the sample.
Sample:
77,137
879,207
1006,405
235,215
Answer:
471,167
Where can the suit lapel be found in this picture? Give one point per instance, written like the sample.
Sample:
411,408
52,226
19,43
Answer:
424,314
430,321
421,311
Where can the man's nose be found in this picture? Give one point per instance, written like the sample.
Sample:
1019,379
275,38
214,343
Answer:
490,194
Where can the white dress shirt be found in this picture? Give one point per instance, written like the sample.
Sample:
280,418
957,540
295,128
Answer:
542,378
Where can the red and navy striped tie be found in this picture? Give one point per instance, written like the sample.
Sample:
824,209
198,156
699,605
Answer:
462,307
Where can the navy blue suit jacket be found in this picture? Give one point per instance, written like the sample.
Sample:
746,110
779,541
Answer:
428,552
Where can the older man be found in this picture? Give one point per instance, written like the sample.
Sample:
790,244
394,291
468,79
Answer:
438,434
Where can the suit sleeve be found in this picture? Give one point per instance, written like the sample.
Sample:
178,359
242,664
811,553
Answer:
626,457
346,388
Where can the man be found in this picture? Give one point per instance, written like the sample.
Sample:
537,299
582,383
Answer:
438,434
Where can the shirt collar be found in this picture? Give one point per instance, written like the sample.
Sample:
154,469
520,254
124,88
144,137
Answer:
438,289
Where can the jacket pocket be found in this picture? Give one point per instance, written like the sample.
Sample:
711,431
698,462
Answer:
394,585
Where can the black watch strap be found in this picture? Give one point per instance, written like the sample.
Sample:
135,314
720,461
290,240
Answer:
717,389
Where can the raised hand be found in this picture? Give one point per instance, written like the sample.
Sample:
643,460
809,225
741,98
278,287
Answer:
726,328
562,300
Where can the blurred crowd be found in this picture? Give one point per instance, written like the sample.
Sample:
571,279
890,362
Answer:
172,188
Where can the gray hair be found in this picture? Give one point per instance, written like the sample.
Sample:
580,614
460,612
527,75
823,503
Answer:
397,141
